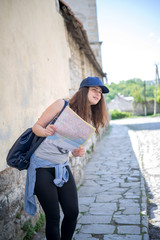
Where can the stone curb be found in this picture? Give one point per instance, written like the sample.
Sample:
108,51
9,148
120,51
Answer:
144,199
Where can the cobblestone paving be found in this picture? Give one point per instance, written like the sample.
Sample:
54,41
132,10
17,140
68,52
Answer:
146,142
112,198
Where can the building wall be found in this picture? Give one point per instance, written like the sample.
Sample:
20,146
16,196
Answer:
139,108
121,104
33,51
39,62
86,12
80,66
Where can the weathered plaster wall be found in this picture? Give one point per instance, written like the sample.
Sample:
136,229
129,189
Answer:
34,65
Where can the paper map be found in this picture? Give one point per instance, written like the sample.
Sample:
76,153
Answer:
72,131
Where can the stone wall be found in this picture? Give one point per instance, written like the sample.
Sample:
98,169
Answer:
79,65
121,104
139,108
127,104
12,215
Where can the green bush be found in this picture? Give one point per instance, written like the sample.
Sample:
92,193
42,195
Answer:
115,114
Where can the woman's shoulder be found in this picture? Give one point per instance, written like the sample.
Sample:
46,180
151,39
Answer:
59,104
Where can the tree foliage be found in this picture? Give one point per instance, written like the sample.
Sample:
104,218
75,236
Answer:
140,90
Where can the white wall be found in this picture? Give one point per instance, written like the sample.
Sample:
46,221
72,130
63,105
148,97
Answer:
34,65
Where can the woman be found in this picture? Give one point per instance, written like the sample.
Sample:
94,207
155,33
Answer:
49,176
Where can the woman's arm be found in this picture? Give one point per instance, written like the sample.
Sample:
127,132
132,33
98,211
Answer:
48,115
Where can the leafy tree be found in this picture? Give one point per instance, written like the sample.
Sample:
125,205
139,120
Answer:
133,87
136,92
150,92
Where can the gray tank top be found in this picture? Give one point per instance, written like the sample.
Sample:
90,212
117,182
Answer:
48,151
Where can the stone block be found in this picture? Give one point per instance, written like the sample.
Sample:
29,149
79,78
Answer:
122,237
97,229
128,229
94,219
127,219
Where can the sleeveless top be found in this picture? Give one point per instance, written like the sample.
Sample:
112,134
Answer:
50,152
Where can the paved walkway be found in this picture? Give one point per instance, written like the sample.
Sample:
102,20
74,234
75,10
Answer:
112,198
145,136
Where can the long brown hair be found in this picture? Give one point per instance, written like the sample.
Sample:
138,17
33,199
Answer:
96,114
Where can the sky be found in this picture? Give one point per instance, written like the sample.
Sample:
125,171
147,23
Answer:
130,32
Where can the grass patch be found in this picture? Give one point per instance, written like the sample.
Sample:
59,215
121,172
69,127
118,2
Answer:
40,223
157,115
115,114
30,229
88,151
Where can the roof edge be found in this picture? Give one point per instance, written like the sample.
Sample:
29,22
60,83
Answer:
75,27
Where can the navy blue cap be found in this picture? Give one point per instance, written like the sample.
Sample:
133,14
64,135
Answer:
94,81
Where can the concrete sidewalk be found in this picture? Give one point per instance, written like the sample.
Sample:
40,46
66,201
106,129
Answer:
112,199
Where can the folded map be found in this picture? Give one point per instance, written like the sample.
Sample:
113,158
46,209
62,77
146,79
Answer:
71,130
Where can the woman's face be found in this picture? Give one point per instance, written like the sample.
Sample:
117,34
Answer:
94,95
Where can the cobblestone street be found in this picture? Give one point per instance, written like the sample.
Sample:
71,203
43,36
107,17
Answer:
112,198
145,136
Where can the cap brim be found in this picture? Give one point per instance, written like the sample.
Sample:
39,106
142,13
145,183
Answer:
104,89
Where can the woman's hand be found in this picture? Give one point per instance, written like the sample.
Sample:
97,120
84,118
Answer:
49,130
79,152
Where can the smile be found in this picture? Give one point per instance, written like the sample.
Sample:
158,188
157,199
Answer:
96,98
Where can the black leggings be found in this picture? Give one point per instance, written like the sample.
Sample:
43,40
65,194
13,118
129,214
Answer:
49,196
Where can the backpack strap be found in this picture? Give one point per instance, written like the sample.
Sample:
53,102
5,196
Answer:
38,140
65,104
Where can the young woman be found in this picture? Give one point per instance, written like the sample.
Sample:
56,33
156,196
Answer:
49,176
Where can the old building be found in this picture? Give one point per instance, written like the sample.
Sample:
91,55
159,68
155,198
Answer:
127,104
86,12
121,103
44,54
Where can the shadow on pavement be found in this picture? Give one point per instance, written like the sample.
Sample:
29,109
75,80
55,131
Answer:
144,126
152,204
